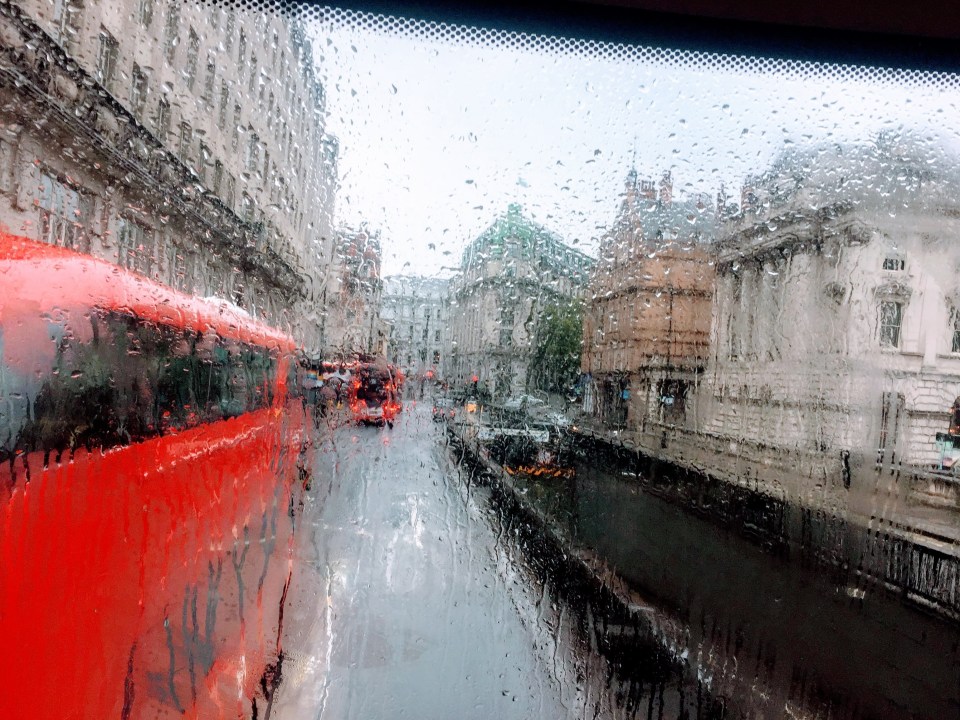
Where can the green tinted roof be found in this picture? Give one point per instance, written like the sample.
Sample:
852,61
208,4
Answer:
532,237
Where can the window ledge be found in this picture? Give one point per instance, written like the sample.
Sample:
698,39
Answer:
898,351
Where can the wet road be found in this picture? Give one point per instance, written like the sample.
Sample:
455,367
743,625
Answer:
405,601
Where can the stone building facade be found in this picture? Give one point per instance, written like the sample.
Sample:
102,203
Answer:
352,325
836,327
508,276
416,312
646,328
185,141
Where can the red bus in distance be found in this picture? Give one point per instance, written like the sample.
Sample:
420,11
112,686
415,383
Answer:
373,393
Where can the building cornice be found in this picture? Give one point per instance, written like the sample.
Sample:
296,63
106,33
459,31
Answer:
42,73
795,228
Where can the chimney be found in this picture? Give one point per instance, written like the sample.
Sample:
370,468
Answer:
666,189
647,190
748,200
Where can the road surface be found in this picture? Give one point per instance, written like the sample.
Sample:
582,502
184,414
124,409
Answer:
406,600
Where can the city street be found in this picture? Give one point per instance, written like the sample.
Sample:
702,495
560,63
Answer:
405,602
415,594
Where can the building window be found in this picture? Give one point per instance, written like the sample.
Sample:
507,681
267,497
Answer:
138,90
231,27
217,176
205,156
955,326
211,79
193,57
733,319
224,101
163,119
891,319
65,214
6,165
107,52
238,295
253,153
252,84
176,268
145,12
66,21
186,138
230,195
172,31
895,263
235,140
135,246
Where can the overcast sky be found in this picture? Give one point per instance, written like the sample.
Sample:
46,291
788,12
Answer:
437,138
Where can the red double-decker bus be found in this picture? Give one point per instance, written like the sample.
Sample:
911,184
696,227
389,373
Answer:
148,463
373,393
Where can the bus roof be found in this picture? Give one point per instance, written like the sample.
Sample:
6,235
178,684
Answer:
42,279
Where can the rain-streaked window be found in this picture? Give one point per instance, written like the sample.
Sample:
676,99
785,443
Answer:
415,363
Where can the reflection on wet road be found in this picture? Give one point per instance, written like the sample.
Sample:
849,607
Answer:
403,604
776,633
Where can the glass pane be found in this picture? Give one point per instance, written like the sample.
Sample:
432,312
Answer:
361,365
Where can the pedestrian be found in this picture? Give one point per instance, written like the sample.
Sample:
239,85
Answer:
327,397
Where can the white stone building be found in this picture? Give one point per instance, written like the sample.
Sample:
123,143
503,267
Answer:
513,271
352,324
416,311
836,321
182,140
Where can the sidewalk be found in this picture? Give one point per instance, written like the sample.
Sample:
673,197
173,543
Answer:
891,508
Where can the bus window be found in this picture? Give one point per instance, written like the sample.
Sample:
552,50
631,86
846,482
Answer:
116,379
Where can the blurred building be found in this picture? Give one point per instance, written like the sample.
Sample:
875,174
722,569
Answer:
183,140
836,326
509,274
416,311
353,325
646,329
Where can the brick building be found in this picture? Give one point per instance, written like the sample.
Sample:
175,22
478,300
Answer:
647,324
